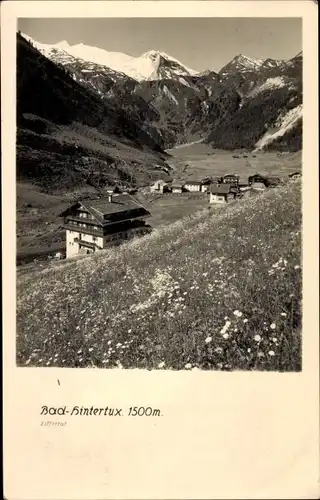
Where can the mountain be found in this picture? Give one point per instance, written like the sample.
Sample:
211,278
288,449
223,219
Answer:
188,111
174,104
67,136
270,113
152,65
241,63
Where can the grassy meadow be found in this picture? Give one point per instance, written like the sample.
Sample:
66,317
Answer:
219,289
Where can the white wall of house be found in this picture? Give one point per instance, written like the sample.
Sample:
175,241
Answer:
176,190
217,198
204,188
72,248
258,185
157,187
193,187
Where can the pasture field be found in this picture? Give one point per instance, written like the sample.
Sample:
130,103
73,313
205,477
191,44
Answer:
218,290
199,160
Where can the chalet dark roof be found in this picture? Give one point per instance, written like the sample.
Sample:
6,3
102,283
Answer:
221,189
230,175
119,203
260,176
295,173
102,208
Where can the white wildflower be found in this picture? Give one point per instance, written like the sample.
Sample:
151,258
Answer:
257,338
273,326
237,313
271,353
188,366
161,365
208,340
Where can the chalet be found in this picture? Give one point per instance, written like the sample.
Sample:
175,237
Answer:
193,185
205,184
232,179
176,187
159,186
256,179
295,175
243,184
222,193
94,225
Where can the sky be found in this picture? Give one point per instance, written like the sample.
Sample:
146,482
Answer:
200,43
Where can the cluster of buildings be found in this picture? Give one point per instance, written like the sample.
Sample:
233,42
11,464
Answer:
220,189
96,224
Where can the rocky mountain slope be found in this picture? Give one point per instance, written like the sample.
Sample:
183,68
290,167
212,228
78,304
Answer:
270,114
67,136
244,105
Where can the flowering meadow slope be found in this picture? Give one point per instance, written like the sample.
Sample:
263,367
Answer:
218,290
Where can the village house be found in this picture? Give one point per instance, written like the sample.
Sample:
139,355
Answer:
193,185
94,225
256,180
231,179
222,193
176,187
159,186
295,175
205,185
243,184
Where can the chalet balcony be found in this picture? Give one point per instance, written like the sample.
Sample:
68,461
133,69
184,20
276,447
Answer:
80,229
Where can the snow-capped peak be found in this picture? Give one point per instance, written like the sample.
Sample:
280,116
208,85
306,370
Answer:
144,67
244,62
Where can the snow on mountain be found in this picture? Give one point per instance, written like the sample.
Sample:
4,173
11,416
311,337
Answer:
271,83
273,63
151,65
284,123
241,63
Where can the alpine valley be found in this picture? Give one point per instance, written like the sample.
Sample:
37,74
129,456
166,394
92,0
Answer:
89,116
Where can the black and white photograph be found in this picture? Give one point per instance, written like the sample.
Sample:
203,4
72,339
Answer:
159,193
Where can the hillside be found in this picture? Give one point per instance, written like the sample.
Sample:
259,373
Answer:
218,290
67,136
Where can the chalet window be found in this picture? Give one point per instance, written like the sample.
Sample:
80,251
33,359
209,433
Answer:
94,238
